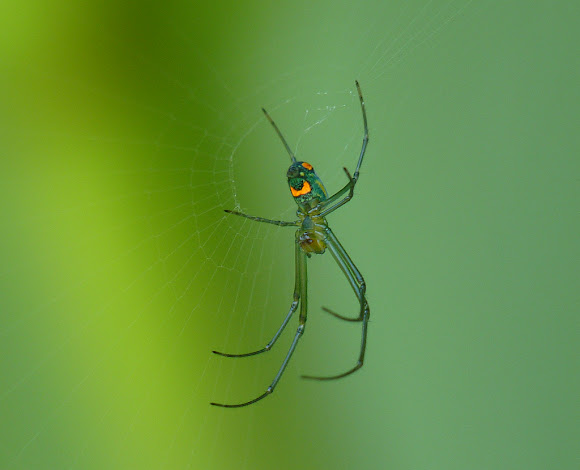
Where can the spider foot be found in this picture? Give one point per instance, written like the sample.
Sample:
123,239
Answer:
359,364
242,355
342,317
264,395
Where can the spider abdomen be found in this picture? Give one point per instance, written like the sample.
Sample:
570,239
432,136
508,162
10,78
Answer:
311,241
312,237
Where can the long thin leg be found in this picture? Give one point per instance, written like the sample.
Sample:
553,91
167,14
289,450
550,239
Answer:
361,357
348,186
261,219
352,273
348,197
366,132
289,150
293,307
352,181
302,275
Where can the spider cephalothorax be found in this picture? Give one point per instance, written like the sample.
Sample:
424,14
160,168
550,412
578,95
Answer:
314,236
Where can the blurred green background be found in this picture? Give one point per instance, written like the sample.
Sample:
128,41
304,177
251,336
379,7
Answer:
126,129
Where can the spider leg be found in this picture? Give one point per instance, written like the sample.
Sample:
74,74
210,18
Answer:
351,272
366,132
352,180
293,307
261,219
273,340
350,185
357,283
288,149
301,286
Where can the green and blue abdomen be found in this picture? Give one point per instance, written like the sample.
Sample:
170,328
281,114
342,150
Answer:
305,185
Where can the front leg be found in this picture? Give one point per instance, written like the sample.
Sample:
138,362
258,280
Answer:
331,201
281,223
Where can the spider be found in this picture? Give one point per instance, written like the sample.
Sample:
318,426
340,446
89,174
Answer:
314,237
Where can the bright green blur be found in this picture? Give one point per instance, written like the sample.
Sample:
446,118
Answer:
126,129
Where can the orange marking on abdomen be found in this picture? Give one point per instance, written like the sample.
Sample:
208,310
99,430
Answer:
299,192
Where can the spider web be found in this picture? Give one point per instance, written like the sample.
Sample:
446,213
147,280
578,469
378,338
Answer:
122,272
